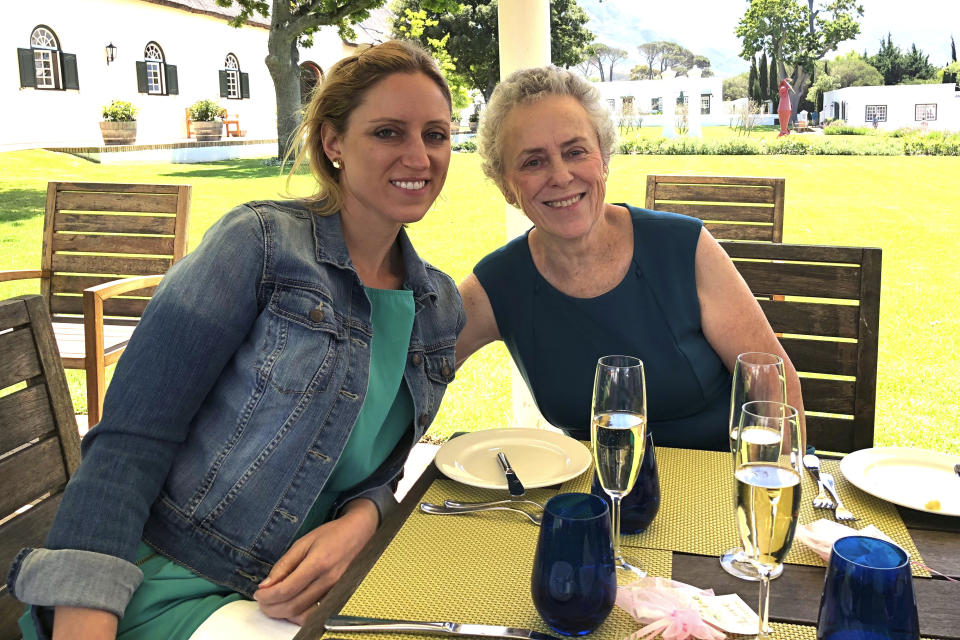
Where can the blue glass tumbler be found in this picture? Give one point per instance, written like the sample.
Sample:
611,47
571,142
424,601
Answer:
574,580
867,593
639,507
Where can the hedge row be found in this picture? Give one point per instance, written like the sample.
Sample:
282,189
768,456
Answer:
796,146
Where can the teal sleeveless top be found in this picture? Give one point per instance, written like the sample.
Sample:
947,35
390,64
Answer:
653,314
172,601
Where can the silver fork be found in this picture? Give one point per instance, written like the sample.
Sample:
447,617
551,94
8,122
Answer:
822,501
842,513
442,510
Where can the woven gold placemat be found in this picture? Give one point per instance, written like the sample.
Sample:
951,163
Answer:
468,568
696,507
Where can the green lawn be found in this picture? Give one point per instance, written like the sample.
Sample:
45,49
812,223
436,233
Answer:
906,205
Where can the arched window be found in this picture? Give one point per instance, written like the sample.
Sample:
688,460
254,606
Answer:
153,56
233,84
232,67
46,57
155,75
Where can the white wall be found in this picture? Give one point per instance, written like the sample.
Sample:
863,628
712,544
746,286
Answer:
643,91
900,101
197,44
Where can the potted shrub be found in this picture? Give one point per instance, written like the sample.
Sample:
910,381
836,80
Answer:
119,124
207,117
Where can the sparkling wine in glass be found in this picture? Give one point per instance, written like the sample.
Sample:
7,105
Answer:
618,433
756,376
767,475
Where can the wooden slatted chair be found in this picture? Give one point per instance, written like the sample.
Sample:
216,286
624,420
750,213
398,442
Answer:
39,443
824,302
105,248
733,208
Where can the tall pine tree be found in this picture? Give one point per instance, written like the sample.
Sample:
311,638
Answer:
774,80
752,84
953,49
762,76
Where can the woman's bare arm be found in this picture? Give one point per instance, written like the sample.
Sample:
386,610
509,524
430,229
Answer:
732,319
481,328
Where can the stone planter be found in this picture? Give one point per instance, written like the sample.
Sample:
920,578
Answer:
208,131
119,132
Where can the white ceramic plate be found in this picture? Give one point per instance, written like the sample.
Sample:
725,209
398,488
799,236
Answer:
914,478
541,458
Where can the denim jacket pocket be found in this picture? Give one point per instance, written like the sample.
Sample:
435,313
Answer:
302,341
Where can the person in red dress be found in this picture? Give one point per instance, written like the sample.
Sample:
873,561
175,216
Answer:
784,108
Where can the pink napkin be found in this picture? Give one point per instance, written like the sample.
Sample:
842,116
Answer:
668,608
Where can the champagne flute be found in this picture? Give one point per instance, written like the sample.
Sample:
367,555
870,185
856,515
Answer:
767,473
618,433
756,376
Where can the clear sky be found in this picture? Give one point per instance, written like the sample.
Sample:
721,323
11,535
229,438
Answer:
703,25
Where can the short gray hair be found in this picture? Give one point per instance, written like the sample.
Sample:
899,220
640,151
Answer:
529,85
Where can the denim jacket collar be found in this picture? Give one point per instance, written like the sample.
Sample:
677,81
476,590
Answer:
331,249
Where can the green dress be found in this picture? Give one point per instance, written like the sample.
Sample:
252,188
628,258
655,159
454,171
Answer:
172,602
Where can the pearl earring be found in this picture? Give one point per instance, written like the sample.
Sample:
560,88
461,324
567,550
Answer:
335,163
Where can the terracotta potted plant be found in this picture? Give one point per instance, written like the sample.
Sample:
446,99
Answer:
207,117
119,125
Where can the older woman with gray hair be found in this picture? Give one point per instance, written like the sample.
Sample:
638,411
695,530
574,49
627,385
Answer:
591,278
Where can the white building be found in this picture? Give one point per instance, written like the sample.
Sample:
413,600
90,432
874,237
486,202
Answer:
644,98
933,106
168,55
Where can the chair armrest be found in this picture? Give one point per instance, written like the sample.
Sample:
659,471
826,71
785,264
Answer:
21,274
93,298
113,288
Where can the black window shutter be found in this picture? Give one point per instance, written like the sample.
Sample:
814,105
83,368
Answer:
70,78
173,87
223,83
141,76
244,85
28,69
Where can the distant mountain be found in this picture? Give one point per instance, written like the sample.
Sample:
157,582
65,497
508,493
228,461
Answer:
617,28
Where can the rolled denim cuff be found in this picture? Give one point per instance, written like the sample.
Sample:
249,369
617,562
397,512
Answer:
73,578
382,497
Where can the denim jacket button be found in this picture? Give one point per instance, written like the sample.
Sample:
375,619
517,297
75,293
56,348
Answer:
424,420
317,314
417,359
446,371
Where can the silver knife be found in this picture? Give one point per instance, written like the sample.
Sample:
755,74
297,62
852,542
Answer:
513,482
357,624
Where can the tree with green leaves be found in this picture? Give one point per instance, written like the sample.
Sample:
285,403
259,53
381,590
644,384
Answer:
293,23
599,54
953,49
888,61
851,70
773,87
735,87
752,80
416,22
472,26
797,33
762,70
916,65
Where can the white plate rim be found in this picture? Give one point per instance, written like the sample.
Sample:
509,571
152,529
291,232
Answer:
580,455
853,467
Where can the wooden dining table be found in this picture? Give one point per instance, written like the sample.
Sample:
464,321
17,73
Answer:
795,596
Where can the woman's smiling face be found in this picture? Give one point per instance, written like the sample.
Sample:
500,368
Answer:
395,151
553,167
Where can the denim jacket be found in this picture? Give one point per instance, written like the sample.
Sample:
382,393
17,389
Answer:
230,407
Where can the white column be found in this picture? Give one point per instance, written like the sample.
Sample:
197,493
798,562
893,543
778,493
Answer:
693,109
524,34
524,27
669,106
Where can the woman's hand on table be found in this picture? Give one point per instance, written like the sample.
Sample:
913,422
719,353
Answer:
315,562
